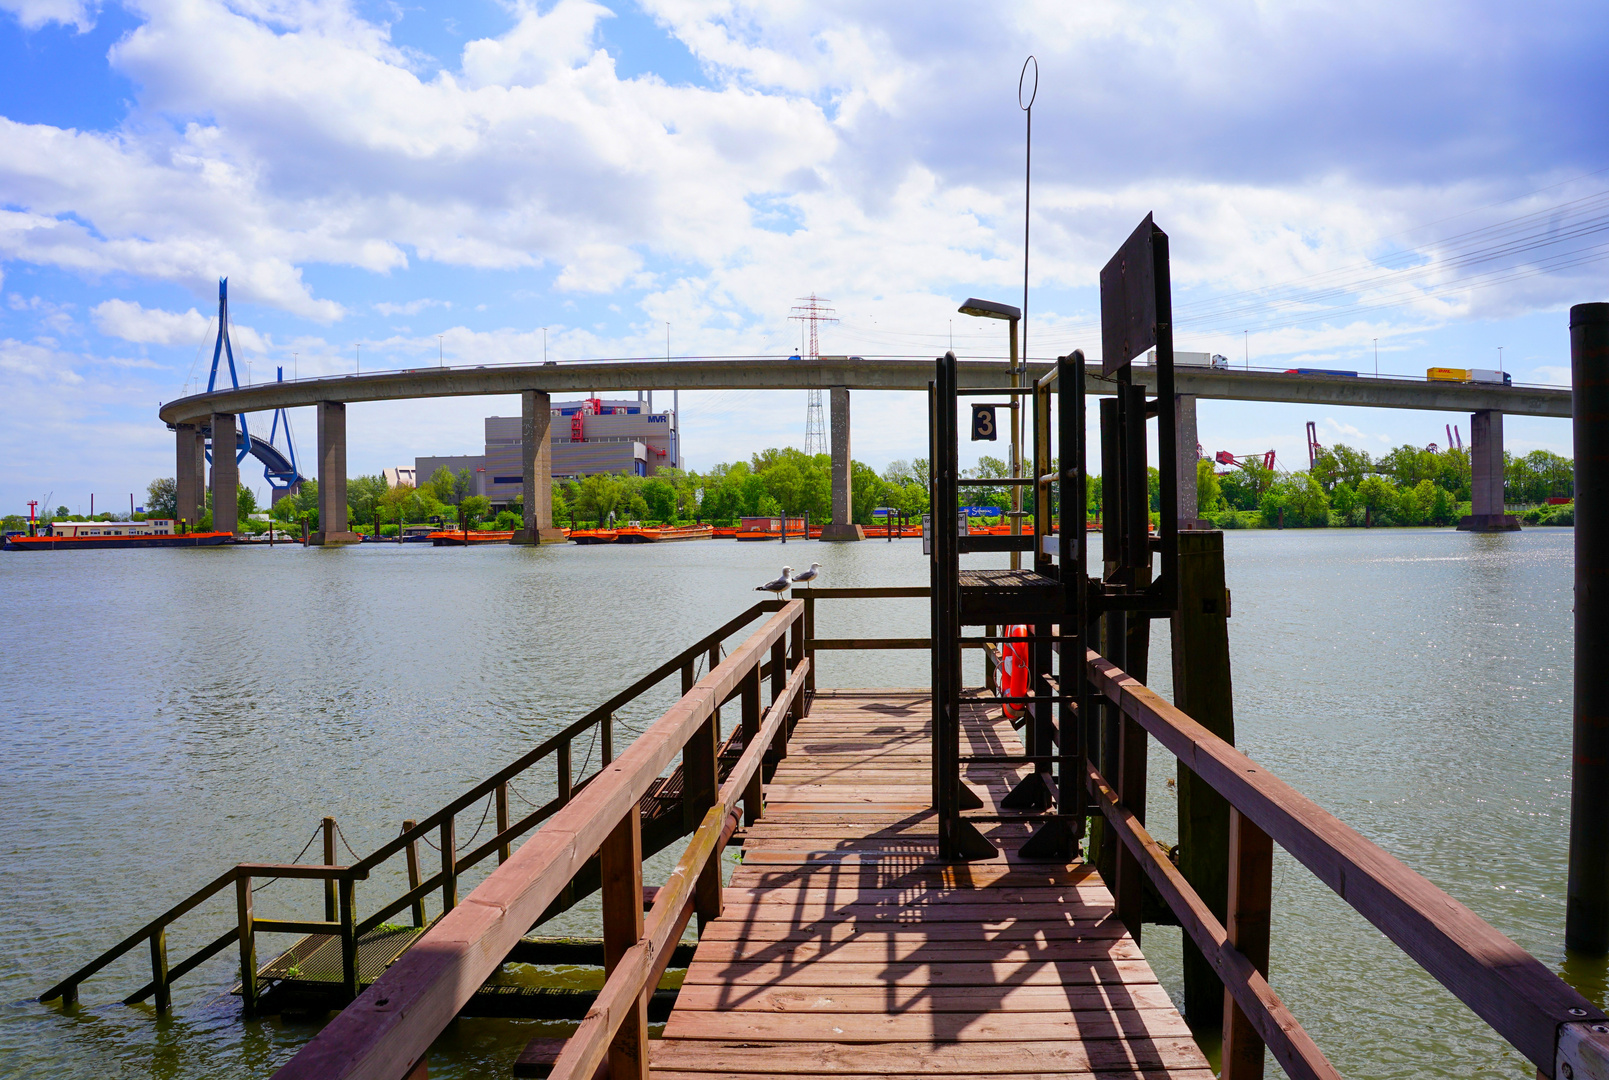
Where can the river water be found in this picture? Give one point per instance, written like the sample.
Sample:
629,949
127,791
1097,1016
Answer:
165,714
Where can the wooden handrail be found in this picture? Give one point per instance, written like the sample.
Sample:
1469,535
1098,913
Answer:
602,715
391,1025
1291,1046
67,989
599,715
1507,987
644,962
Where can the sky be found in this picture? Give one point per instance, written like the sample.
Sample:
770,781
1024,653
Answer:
386,186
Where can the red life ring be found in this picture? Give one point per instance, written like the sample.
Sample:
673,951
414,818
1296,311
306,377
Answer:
1014,672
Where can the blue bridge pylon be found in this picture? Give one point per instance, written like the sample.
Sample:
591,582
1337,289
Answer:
279,466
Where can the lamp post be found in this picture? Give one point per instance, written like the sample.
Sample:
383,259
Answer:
993,309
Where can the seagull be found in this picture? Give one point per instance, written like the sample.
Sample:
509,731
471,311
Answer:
809,575
780,585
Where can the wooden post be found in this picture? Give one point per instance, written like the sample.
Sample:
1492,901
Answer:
1586,904
349,939
779,683
1114,646
159,969
449,867
810,650
1131,793
1251,882
991,679
566,784
700,789
620,867
795,658
714,661
329,860
503,849
1202,688
413,873
248,946
751,731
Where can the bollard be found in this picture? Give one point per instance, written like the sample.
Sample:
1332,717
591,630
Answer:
1586,912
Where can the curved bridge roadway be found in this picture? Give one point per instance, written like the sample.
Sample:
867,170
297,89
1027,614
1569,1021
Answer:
192,417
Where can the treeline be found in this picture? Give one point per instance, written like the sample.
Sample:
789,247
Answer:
1345,487
1408,486
772,483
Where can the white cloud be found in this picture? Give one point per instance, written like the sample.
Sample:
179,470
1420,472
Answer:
33,14
130,321
412,307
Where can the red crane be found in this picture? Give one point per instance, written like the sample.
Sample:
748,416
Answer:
1224,457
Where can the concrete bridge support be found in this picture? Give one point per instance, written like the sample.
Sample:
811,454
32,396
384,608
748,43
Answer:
1486,469
536,415
190,474
332,523
843,504
1187,440
225,473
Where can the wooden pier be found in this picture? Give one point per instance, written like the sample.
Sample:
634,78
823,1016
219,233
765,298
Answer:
847,947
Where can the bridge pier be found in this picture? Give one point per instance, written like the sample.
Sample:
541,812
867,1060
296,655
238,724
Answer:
536,417
1187,441
843,525
225,473
190,473
332,523
1486,475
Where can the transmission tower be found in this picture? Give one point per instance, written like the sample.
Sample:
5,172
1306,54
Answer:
812,309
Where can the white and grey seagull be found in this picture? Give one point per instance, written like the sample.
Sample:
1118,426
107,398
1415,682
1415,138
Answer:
809,575
780,585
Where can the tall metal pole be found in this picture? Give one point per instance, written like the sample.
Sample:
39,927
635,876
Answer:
1019,374
1586,911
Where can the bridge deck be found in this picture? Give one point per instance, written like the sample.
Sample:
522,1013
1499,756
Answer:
847,949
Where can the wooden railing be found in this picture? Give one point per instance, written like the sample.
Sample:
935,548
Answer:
1562,1033
391,1025
340,901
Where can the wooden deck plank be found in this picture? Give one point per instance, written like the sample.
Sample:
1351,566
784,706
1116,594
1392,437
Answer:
847,948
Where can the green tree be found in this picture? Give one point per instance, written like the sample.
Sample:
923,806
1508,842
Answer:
474,507
245,502
1375,495
598,496
162,498
440,485
1414,504
1209,496
1344,500
363,494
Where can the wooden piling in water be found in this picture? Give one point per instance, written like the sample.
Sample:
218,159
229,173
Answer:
1203,689
1586,913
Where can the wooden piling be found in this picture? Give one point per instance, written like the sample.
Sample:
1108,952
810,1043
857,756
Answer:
1251,878
412,855
620,865
1586,918
248,946
1202,688
329,860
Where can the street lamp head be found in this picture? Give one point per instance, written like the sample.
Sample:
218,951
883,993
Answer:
990,309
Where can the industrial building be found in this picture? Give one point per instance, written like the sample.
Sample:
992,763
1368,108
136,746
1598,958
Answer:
588,436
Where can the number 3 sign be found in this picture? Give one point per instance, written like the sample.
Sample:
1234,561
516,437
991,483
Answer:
983,424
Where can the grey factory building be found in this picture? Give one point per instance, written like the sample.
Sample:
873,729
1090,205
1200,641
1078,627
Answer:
588,436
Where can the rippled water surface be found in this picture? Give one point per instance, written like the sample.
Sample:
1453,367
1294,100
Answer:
169,713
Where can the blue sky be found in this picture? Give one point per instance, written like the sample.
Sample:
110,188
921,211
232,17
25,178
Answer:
454,178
